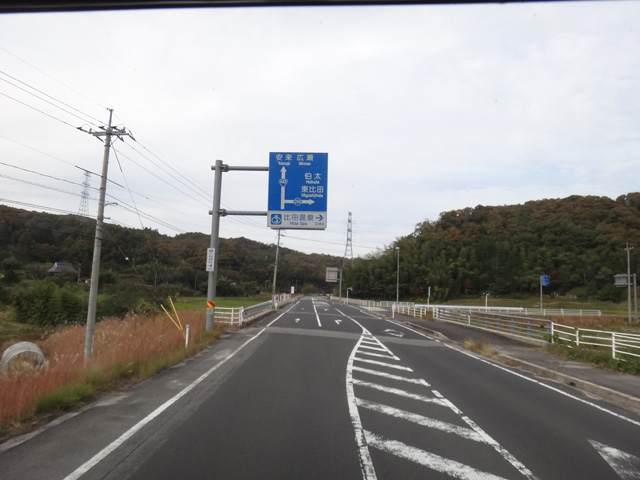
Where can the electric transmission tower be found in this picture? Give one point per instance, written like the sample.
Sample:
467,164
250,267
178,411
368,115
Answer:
83,211
348,250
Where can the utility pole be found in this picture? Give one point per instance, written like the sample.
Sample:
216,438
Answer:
108,132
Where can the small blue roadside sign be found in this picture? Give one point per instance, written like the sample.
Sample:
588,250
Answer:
297,190
544,280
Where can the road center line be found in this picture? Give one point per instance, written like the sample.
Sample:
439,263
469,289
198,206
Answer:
317,316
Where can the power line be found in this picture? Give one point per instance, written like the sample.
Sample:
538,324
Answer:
38,110
36,150
162,180
207,197
45,100
52,78
41,174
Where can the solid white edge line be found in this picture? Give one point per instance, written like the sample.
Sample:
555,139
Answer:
557,390
102,454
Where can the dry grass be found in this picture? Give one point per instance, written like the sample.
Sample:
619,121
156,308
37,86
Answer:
604,322
481,346
126,350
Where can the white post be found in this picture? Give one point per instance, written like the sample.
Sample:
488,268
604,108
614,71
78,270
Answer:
186,337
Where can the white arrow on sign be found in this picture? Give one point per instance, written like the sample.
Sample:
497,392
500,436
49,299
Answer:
394,333
627,466
338,322
283,183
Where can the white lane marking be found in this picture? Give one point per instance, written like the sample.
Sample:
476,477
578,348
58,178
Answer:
488,439
383,364
400,393
627,466
446,427
102,454
427,459
557,390
317,316
524,377
377,349
379,355
417,381
366,464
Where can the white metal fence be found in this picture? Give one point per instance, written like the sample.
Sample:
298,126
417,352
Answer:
622,345
524,326
240,315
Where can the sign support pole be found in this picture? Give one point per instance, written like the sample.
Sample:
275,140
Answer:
216,213
215,233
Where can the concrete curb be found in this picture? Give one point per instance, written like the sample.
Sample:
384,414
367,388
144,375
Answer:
612,396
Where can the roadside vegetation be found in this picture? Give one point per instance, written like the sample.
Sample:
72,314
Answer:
126,350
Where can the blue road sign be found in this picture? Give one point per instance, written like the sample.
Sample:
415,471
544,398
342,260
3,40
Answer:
297,190
544,280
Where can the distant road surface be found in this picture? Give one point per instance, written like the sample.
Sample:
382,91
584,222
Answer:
328,391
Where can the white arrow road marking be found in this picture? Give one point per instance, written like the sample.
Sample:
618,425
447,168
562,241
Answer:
394,333
627,466
297,320
338,322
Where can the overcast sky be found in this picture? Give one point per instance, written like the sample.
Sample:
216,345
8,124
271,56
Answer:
421,109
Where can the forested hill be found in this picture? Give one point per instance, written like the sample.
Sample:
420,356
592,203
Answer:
37,240
578,241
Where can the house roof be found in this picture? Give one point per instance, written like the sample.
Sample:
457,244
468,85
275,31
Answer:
62,267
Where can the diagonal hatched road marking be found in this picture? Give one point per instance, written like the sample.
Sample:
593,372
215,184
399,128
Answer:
366,438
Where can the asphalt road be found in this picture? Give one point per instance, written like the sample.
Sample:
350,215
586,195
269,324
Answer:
327,391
